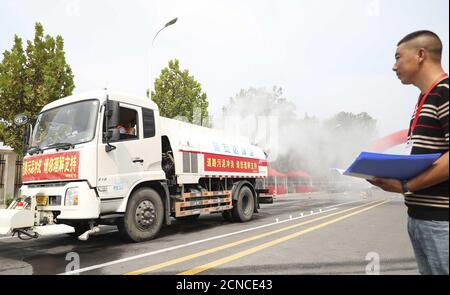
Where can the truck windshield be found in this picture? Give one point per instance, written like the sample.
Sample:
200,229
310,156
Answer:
68,124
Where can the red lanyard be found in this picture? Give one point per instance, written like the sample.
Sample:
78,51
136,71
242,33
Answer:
422,102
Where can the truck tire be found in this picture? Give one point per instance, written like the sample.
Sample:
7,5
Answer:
244,206
144,216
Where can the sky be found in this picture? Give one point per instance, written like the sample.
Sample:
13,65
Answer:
328,56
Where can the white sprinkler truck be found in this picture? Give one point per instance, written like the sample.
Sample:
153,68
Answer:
108,158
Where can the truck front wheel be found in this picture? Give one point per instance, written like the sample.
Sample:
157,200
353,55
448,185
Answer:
244,206
144,216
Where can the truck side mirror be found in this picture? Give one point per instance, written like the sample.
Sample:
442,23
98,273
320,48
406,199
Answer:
112,113
113,134
20,119
27,138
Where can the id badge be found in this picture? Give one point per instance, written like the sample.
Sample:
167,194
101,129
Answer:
409,146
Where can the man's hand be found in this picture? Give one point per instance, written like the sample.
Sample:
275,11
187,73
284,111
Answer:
389,185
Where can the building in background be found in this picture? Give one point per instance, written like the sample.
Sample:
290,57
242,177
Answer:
10,174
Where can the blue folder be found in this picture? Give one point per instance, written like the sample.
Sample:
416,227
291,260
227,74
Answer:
403,167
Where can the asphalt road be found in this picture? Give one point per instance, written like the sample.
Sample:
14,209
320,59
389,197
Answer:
344,233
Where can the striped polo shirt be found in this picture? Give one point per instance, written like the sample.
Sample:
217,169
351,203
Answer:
431,136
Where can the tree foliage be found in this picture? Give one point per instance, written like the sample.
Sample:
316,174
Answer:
178,94
31,79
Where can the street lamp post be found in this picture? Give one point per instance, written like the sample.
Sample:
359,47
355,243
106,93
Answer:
153,41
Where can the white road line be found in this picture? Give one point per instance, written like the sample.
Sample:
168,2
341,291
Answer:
97,266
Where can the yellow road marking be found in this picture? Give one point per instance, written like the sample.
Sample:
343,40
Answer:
226,246
230,258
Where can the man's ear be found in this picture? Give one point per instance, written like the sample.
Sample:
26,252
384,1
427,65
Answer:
421,55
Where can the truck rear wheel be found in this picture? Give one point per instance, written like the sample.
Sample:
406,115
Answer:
244,206
144,216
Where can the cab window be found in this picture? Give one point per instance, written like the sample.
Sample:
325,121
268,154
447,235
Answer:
127,128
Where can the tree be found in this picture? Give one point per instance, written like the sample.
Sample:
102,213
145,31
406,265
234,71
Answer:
178,94
31,79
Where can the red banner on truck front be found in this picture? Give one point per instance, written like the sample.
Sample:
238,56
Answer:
222,163
58,166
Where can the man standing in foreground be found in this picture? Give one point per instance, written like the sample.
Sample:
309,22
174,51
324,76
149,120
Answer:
418,62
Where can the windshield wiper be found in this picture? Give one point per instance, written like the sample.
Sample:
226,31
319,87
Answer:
61,146
34,150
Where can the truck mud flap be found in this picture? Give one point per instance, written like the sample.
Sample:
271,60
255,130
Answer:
265,199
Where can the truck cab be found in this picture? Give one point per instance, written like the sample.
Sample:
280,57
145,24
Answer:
68,168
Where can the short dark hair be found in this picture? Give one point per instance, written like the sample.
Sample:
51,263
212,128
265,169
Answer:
435,47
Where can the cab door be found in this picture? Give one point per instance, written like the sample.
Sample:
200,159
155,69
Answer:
119,169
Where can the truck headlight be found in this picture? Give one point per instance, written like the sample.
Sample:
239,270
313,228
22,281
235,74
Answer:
71,196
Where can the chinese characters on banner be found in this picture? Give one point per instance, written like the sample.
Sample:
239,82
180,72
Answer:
51,167
222,163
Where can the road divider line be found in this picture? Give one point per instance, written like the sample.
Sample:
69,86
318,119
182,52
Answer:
233,244
252,250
